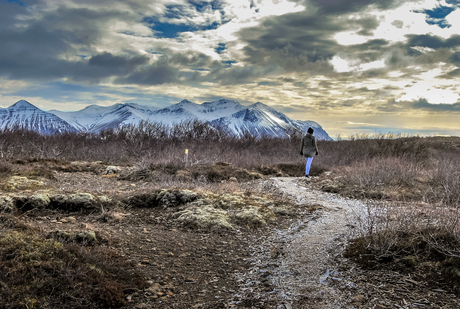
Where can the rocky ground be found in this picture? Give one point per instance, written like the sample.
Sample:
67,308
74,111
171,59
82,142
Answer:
274,243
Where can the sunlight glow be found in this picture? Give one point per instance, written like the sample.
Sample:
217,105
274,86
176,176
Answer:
433,95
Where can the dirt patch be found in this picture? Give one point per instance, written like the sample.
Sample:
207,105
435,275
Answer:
179,267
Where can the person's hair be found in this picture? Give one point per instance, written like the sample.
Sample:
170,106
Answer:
310,130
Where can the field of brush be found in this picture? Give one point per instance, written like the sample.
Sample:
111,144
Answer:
80,213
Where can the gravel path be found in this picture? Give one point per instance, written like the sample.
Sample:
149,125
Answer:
295,267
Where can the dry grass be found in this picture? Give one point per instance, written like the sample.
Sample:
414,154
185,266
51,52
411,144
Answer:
42,271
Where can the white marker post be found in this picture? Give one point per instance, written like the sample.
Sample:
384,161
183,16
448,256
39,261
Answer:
186,156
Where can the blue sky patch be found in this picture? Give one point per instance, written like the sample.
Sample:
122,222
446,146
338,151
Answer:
21,3
437,16
151,51
169,30
228,63
220,48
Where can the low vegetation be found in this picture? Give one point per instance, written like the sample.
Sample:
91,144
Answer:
410,185
60,270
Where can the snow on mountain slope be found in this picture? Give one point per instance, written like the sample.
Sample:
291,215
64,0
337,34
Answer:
176,113
258,119
219,109
95,118
254,121
24,115
186,110
319,132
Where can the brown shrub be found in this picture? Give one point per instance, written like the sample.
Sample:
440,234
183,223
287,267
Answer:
410,253
409,237
40,272
6,168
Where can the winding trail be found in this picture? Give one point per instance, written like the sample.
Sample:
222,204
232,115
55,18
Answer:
300,261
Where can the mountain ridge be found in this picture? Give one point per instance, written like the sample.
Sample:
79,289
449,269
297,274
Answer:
258,119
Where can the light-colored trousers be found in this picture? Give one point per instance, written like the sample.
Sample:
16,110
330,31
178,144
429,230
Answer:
307,167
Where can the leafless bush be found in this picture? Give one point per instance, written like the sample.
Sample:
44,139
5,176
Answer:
400,229
376,172
384,224
442,222
446,177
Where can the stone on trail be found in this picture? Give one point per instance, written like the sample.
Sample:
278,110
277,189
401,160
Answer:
110,170
68,220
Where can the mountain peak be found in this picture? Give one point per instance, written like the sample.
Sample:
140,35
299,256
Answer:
221,102
260,105
22,105
225,101
27,116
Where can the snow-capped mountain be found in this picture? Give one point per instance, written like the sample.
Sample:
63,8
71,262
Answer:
262,120
257,119
23,115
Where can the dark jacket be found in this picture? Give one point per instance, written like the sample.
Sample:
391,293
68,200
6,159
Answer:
308,147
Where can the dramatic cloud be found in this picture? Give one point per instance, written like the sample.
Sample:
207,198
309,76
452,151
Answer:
370,63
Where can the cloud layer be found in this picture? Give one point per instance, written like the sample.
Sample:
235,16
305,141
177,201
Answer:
324,60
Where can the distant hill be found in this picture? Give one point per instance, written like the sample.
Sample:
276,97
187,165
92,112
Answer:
258,119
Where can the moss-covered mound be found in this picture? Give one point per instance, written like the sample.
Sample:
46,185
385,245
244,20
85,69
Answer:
215,211
46,200
161,198
227,211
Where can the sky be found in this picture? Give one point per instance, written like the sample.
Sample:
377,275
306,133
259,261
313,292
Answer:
353,66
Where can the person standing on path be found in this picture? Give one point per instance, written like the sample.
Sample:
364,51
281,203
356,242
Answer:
308,149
